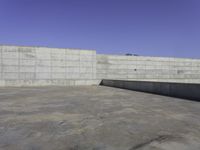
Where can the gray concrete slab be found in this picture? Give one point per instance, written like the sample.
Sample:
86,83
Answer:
96,118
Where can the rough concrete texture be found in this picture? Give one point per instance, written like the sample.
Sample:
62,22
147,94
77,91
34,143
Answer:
38,66
141,68
96,118
41,66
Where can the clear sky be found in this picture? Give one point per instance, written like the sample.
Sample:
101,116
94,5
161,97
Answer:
143,27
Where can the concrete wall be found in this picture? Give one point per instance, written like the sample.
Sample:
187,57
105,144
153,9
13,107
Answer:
35,66
180,90
148,68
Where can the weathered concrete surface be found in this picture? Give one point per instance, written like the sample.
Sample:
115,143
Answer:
180,90
96,118
42,66
140,68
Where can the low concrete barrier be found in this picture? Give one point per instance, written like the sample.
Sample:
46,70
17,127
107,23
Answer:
179,90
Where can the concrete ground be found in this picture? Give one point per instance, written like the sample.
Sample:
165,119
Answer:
96,118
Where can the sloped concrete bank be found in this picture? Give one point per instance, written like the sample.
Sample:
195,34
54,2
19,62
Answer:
179,90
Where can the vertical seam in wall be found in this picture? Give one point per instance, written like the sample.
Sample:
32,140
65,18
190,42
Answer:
18,63
35,74
168,70
65,67
50,65
1,64
95,68
79,65
92,66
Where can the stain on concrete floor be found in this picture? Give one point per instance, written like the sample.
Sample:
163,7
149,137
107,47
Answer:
96,118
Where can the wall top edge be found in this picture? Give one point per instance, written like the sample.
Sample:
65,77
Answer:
154,80
103,55
22,46
147,57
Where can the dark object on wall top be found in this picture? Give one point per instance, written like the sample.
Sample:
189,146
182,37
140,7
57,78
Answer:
129,54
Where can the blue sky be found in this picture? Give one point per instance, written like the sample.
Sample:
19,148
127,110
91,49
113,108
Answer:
143,27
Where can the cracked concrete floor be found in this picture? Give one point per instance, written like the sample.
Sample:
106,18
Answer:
96,118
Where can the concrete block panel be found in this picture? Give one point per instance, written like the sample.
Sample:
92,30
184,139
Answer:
102,67
141,67
86,52
114,71
13,83
10,49
55,75
192,76
9,61
26,75
149,67
132,76
27,69
132,71
94,75
20,83
72,52
80,82
86,82
102,59
27,62
58,69
122,67
85,64
42,82
58,51
124,62
72,70
86,70
193,68
101,76
58,63
43,76
41,69
13,68
72,64
10,54
72,76
114,66
8,75
132,63
2,83
89,82
43,53
1,67
27,53
62,82
101,71
86,76
86,58
72,57
43,63
57,56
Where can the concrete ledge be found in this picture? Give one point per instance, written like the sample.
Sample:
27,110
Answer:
180,90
